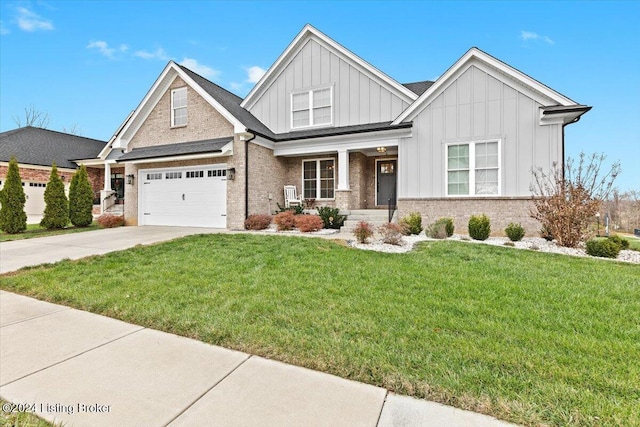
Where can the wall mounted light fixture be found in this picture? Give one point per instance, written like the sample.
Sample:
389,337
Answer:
231,174
130,178
381,149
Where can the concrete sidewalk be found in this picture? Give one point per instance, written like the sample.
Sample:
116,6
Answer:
89,370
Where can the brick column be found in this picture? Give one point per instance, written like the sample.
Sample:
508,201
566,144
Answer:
342,199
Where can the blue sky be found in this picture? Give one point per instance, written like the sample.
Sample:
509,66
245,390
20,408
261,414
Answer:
88,64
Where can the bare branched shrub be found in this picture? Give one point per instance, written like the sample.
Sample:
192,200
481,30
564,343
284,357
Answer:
567,199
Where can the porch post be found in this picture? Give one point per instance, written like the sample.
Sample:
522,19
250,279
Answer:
107,176
343,170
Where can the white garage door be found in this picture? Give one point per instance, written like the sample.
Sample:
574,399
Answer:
34,193
192,197
34,196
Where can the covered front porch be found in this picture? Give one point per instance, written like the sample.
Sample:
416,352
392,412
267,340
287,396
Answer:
350,172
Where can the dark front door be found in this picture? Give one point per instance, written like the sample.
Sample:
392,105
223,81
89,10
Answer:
117,185
386,182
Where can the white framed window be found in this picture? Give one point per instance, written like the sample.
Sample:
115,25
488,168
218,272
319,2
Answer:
173,175
318,178
179,107
312,108
195,174
473,168
155,175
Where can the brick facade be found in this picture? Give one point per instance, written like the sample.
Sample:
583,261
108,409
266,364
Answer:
203,121
500,210
96,176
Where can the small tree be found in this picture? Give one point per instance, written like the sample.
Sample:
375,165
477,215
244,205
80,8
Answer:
13,219
567,199
56,211
80,199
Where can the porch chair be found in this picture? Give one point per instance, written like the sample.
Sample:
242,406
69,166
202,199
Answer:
291,196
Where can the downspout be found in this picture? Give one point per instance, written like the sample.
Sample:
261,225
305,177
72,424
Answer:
246,175
563,126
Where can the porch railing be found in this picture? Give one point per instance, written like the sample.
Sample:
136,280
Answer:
392,205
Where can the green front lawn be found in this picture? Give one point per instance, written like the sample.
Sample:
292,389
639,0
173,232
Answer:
34,230
10,416
525,336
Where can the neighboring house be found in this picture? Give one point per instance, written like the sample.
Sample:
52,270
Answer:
36,150
345,134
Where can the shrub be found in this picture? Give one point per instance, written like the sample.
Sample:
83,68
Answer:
603,248
297,209
515,232
110,221
80,199
307,223
412,223
331,217
567,198
285,220
13,219
448,223
56,211
479,227
440,229
546,234
391,233
257,222
622,243
437,230
363,231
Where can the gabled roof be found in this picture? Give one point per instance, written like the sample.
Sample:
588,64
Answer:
43,147
162,84
476,56
418,87
309,32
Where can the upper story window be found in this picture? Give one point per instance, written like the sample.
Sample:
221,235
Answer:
473,169
179,107
312,108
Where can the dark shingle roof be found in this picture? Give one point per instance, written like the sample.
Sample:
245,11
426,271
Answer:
180,149
232,102
43,147
333,131
418,87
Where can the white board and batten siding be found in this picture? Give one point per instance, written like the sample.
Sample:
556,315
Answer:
357,99
477,106
193,196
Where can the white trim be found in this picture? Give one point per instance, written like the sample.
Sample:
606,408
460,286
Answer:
153,96
472,168
173,107
310,92
38,167
480,57
338,142
318,180
178,158
375,172
309,32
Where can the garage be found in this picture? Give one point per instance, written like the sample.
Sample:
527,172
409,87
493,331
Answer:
187,196
34,196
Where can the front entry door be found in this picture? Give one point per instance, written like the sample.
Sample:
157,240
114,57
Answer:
386,182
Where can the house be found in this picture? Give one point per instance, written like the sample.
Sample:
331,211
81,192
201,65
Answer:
36,150
345,134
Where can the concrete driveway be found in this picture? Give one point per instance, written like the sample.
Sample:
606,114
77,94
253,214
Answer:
22,253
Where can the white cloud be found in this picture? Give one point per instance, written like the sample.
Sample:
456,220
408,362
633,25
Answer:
158,54
102,47
201,69
124,48
255,73
30,21
529,35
